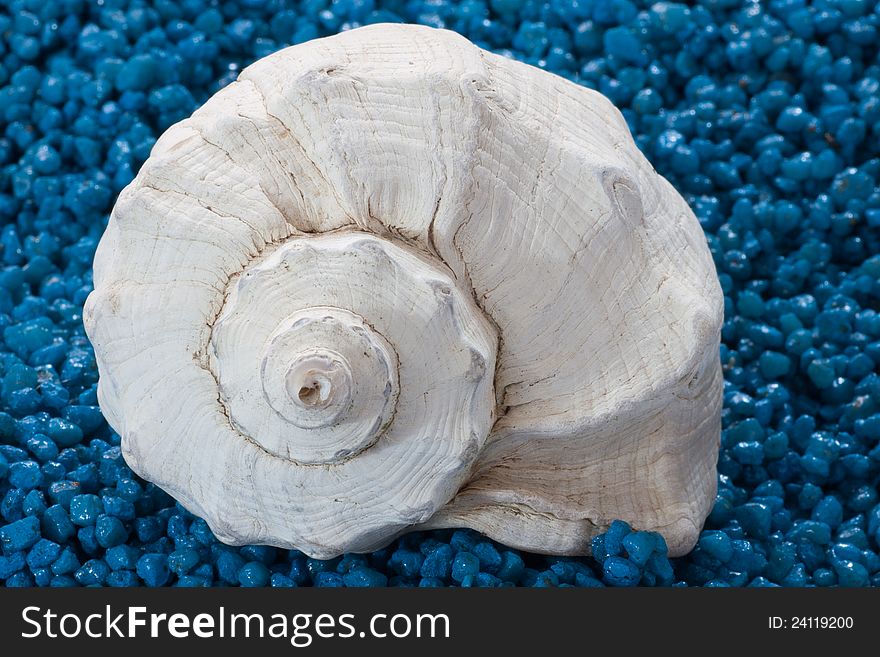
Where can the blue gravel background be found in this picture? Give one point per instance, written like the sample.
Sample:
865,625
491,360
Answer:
766,116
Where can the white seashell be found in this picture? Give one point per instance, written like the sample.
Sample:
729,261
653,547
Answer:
388,281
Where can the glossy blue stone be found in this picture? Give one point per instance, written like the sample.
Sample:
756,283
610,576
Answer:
85,509
153,569
639,547
20,535
92,572
464,564
511,568
253,574
717,544
364,577
123,557
618,571
109,531
438,563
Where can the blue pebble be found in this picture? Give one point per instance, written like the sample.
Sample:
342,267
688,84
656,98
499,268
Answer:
85,509
639,547
42,576
176,528
762,582
438,563
407,563
511,568
465,564
265,554
463,540
86,476
780,560
122,579
138,73
20,580
755,518
796,577
64,433
25,475
431,583
109,531
327,579
487,580
851,574
118,507
87,540
228,565
613,539
364,577
43,553
253,574
66,563
717,544
584,580
792,119
153,569
811,530
124,557
93,572
20,535
205,571
489,557
62,581
180,562
11,505
34,503
148,529
828,511
622,42
281,581
298,571
56,524
749,452
533,578
774,365
11,564
131,491
42,447
619,571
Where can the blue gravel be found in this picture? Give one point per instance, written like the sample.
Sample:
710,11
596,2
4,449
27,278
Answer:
766,116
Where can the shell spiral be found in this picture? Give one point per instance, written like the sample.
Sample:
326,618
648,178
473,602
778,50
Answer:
387,280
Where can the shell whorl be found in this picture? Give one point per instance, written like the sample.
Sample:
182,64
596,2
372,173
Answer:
387,280
313,365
